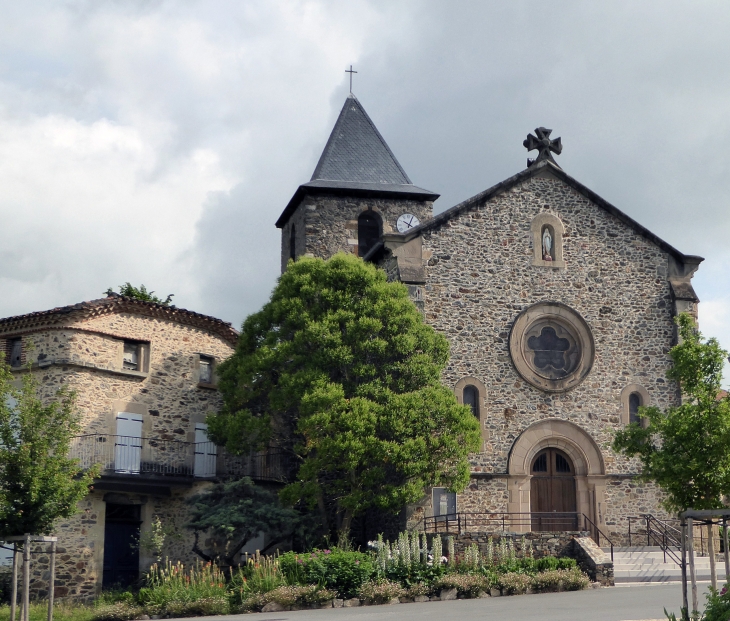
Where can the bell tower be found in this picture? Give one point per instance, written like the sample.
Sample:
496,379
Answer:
357,193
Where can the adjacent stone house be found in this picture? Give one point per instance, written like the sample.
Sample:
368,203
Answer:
558,306
145,379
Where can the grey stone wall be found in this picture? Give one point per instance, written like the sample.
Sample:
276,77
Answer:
326,224
592,560
480,277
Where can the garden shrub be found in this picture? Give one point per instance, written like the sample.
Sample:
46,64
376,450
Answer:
342,571
418,589
546,563
514,583
553,579
119,611
469,585
204,606
381,591
286,595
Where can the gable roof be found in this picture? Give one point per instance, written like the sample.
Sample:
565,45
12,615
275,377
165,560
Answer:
542,169
116,303
357,161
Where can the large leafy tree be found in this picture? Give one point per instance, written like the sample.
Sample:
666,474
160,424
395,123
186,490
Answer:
686,450
39,483
340,370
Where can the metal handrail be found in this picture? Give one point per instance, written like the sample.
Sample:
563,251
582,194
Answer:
598,533
661,533
144,456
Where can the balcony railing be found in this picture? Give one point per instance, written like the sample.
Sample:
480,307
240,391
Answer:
132,456
128,455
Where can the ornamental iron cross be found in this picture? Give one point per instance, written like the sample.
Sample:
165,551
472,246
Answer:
544,145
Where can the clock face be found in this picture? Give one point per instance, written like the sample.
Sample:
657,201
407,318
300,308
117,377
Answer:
407,221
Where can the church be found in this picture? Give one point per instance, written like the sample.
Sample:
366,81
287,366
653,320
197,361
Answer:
558,308
557,305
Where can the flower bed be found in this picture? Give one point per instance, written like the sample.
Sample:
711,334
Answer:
412,568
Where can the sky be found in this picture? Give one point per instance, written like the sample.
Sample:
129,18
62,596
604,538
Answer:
157,142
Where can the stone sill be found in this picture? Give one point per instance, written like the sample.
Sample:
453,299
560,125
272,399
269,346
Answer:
208,386
541,263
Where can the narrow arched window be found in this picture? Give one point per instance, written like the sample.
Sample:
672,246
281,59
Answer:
471,398
635,402
293,243
368,232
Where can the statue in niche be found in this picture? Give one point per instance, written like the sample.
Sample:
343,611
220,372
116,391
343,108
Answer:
547,245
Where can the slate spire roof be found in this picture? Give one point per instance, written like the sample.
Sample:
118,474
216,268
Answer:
356,151
357,160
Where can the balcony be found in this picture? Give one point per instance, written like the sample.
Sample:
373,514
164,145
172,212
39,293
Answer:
170,462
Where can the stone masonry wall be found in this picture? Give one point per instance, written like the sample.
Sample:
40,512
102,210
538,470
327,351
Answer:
327,224
480,277
86,357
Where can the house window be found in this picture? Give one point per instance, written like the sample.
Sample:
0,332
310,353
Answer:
205,370
471,398
131,360
15,347
368,232
635,402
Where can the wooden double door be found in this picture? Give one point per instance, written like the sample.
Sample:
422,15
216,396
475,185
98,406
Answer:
552,492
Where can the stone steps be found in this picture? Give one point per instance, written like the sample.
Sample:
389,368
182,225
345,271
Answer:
646,564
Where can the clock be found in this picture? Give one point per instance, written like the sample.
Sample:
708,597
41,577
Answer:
407,221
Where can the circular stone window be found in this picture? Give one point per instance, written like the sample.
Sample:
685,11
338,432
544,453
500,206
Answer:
551,346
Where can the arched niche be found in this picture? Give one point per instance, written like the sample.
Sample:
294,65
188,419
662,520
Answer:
626,401
554,226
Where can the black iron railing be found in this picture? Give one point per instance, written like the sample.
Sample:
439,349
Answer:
132,456
659,533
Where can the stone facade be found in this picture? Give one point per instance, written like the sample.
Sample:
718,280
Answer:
325,224
82,348
609,291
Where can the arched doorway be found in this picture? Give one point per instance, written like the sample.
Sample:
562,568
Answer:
552,491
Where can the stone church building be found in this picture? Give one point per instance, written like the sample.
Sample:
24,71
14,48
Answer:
558,307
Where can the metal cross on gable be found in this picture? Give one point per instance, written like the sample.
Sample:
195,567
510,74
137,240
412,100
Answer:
542,142
350,71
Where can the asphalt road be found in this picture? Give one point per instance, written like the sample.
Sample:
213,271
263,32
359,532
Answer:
632,603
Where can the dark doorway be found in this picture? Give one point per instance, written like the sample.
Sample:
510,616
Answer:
121,549
368,232
552,492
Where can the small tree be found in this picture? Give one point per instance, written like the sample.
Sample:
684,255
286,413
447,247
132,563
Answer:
686,450
235,512
128,290
39,483
340,370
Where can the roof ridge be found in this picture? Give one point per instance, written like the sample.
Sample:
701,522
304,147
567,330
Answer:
561,175
119,302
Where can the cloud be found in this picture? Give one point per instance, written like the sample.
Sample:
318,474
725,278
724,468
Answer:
159,141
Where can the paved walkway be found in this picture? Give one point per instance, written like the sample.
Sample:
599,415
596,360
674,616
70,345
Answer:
622,603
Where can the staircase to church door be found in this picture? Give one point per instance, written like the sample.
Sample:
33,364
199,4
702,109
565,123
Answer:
552,492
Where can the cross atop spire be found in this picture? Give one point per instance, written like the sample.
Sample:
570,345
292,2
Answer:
350,71
542,143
